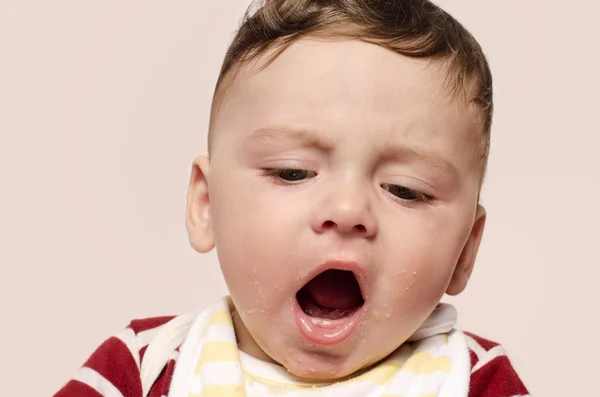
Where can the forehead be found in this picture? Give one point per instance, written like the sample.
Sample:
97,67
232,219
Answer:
350,88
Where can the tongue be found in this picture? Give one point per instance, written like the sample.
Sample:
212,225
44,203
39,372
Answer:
335,290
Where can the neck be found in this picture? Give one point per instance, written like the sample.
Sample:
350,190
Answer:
246,342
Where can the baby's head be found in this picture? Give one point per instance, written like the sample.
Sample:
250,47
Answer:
348,142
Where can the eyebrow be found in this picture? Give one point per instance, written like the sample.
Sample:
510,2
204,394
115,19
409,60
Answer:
316,138
402,152
274,134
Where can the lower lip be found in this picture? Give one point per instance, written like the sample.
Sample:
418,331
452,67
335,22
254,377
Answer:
325,332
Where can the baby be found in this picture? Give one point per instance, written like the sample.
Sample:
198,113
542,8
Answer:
348,143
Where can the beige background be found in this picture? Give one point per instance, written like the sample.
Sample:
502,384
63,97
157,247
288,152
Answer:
104,104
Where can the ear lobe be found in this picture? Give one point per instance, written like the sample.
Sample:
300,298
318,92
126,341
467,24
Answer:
466,261
198,222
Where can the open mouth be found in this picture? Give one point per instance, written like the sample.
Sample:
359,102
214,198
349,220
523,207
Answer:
332,295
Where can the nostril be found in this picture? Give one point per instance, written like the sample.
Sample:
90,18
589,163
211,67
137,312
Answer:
360,228
332,225
329,225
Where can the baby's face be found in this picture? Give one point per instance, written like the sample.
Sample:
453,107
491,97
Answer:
343,193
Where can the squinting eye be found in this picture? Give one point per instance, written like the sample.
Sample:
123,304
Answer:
405,193
293,175
289,174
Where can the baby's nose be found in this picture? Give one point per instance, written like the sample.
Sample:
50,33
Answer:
346,214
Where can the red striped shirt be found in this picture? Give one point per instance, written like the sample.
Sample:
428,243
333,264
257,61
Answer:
114,368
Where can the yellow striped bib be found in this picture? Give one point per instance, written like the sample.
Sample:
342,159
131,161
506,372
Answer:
211,365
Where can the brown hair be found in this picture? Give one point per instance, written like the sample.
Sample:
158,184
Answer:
414,28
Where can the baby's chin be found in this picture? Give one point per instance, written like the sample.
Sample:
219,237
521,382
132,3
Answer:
319,370
322,365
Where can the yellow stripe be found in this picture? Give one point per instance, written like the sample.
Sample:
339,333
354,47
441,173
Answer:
381,374
235,390
221,317
275,384
217,351
420,395
422,363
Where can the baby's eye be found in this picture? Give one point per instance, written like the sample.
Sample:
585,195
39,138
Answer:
289,174
405,193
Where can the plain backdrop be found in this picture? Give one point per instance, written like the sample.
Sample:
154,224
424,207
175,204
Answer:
104,105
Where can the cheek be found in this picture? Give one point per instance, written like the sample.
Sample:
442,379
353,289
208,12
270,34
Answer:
254,218
256,243
420,277
419,265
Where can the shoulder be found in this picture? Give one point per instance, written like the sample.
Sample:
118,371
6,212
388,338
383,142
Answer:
140,332
482,351
114,367
492,374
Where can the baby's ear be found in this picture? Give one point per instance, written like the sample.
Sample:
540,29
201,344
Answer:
466,261
197,217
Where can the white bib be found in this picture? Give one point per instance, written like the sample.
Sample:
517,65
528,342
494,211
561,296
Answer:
434,362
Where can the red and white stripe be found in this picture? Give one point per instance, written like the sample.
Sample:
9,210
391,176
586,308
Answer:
113,370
